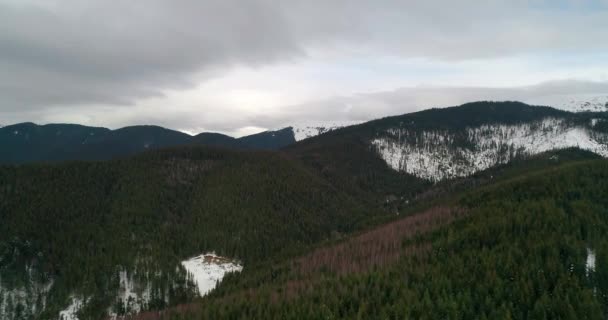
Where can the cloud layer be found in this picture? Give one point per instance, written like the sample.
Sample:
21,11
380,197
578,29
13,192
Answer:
113,63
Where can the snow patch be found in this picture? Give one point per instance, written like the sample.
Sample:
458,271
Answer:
209,269
590,263
438,155
71,312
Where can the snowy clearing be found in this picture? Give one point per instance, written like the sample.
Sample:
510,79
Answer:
209,269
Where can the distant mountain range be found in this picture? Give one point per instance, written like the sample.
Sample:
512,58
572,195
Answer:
29,142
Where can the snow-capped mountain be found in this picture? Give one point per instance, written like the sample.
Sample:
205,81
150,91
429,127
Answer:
575,103
457,142
308,130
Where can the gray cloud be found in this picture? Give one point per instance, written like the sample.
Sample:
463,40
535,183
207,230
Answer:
73,56
105,52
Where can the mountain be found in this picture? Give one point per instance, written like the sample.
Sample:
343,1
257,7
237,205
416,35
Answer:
439,144
28,142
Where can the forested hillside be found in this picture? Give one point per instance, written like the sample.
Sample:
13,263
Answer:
297,159
530,247
323,228
70,229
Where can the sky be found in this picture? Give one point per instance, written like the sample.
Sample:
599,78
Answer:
240,67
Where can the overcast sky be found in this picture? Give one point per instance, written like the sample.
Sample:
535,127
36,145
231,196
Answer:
244,66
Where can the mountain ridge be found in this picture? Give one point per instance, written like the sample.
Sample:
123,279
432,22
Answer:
444,143
57,142
29,142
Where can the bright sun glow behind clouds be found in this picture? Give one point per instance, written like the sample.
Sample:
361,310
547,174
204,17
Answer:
253,95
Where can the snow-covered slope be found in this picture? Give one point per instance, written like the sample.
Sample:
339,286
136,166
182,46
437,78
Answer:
437,155
308,130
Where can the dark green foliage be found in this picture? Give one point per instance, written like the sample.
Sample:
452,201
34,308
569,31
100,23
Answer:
519,254
347,160
78,222
601,126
